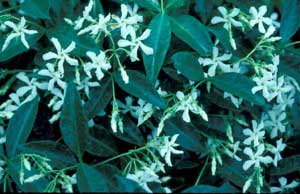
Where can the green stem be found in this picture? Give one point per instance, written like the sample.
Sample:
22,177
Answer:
9,9
291,44
122,155
201,172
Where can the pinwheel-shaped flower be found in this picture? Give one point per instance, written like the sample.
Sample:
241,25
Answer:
135,43
62,55
19,31
257,17
227,17
256,158
98,62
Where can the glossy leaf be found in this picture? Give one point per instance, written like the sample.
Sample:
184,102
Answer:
192,32
20,126
148,4
60,156
238,85
290,20
90,179
36,9
100,98
140,87
159,41
73,123
187,64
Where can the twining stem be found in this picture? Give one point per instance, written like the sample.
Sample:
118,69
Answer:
201,172
122,155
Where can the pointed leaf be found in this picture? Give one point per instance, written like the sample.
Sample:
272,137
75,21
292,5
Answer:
192,32
140,87
90,179
20,126
73,123
159,41
187,64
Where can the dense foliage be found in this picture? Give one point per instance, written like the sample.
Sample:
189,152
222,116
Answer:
149,96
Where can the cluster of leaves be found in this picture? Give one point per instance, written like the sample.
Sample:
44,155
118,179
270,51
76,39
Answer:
82,143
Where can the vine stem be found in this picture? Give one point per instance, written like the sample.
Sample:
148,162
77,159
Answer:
201,172
122,155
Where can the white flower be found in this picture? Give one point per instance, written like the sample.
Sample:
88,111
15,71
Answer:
216,62
86,84
85,16
67,182
257,17
33,178
227,18
19,31
54,75
99,63
284,186
256,158
31,87
143,177
236,101
189,103
255,135
267,84
2,138
275,122
281,88
116,121
135,43
167,147
56,104
26,164
124,75
97,26
124,21
276,151
62,55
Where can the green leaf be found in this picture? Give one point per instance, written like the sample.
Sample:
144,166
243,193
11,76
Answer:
59,154
20,126
131,133
90,179
73,123
238,85
128,186
187,64
192,32
36,9
16,47
148,4
172,5
188,138
101,143
159,40
140,87
222,35
290,20
225,188
287,165
100,97
66,34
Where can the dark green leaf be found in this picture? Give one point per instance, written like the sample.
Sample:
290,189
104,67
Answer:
101,143
36,9
287,165
20,126
100,97
148,4
172,5
188,138
290,19
140,87
238,85
225,188
187,64
159,40
193,32
73,123
131,133
59,154
90,179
